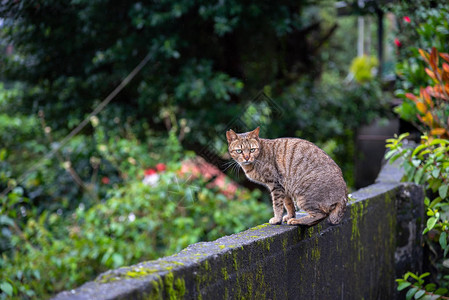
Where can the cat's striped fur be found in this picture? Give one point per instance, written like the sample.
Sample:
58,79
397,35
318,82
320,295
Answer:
293,170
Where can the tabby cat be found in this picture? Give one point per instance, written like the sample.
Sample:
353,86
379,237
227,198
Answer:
293,170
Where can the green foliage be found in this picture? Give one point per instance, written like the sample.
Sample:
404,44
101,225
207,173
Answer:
362,68
428,27
423,33
80,212
47,252
202,55
418,289
208,61
428,164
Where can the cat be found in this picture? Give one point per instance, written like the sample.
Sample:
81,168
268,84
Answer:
292,169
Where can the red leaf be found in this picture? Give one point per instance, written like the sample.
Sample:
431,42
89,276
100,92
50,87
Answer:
411,96
438,131
445,56
445,67
424,55
431,74
434,58
425,94
421,107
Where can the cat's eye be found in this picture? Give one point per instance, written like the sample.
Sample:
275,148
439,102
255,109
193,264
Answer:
238,151
252,150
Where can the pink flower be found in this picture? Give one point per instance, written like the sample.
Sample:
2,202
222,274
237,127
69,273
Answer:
397,42
149,172
407,19
105,180
160,167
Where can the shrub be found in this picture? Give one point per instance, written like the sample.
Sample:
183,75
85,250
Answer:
53,242
430,105
428,164
362,68
52,251
421,24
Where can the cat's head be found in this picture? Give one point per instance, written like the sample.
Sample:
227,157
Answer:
244,148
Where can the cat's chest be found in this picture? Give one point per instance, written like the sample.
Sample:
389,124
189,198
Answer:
264,174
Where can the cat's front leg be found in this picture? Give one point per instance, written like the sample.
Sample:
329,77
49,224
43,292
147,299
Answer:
291,211
277,197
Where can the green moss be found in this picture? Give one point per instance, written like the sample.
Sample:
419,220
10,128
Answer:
310,231
244,285
225,273
357,213
174,289
239,289
180,286
284,246
155,293
235,263
355,233
316,253
139,273
207,265
261,289
198,291
391,220
266,243
202,278
260,226
249,286
133,273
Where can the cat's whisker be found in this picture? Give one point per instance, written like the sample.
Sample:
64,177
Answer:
236,169
229,164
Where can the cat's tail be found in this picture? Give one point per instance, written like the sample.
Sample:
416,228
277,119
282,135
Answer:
338,213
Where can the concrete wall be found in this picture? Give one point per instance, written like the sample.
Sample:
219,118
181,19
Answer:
377,241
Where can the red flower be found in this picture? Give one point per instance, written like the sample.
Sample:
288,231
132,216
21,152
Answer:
397,42
105,180
407,19
160,167
149,172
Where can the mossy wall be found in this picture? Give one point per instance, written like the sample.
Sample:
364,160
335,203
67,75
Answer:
357,259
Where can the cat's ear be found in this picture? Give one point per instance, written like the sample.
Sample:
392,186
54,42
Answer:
231,135
255,133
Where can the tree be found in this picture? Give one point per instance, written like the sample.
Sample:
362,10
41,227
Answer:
71,55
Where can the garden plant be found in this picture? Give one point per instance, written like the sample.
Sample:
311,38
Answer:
120,183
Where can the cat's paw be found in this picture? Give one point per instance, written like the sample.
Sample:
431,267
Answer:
292,221
275,221
286,218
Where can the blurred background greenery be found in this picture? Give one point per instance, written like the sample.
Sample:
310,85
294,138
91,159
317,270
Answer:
117,193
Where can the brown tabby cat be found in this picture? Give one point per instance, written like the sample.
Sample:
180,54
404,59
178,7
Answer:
292,169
